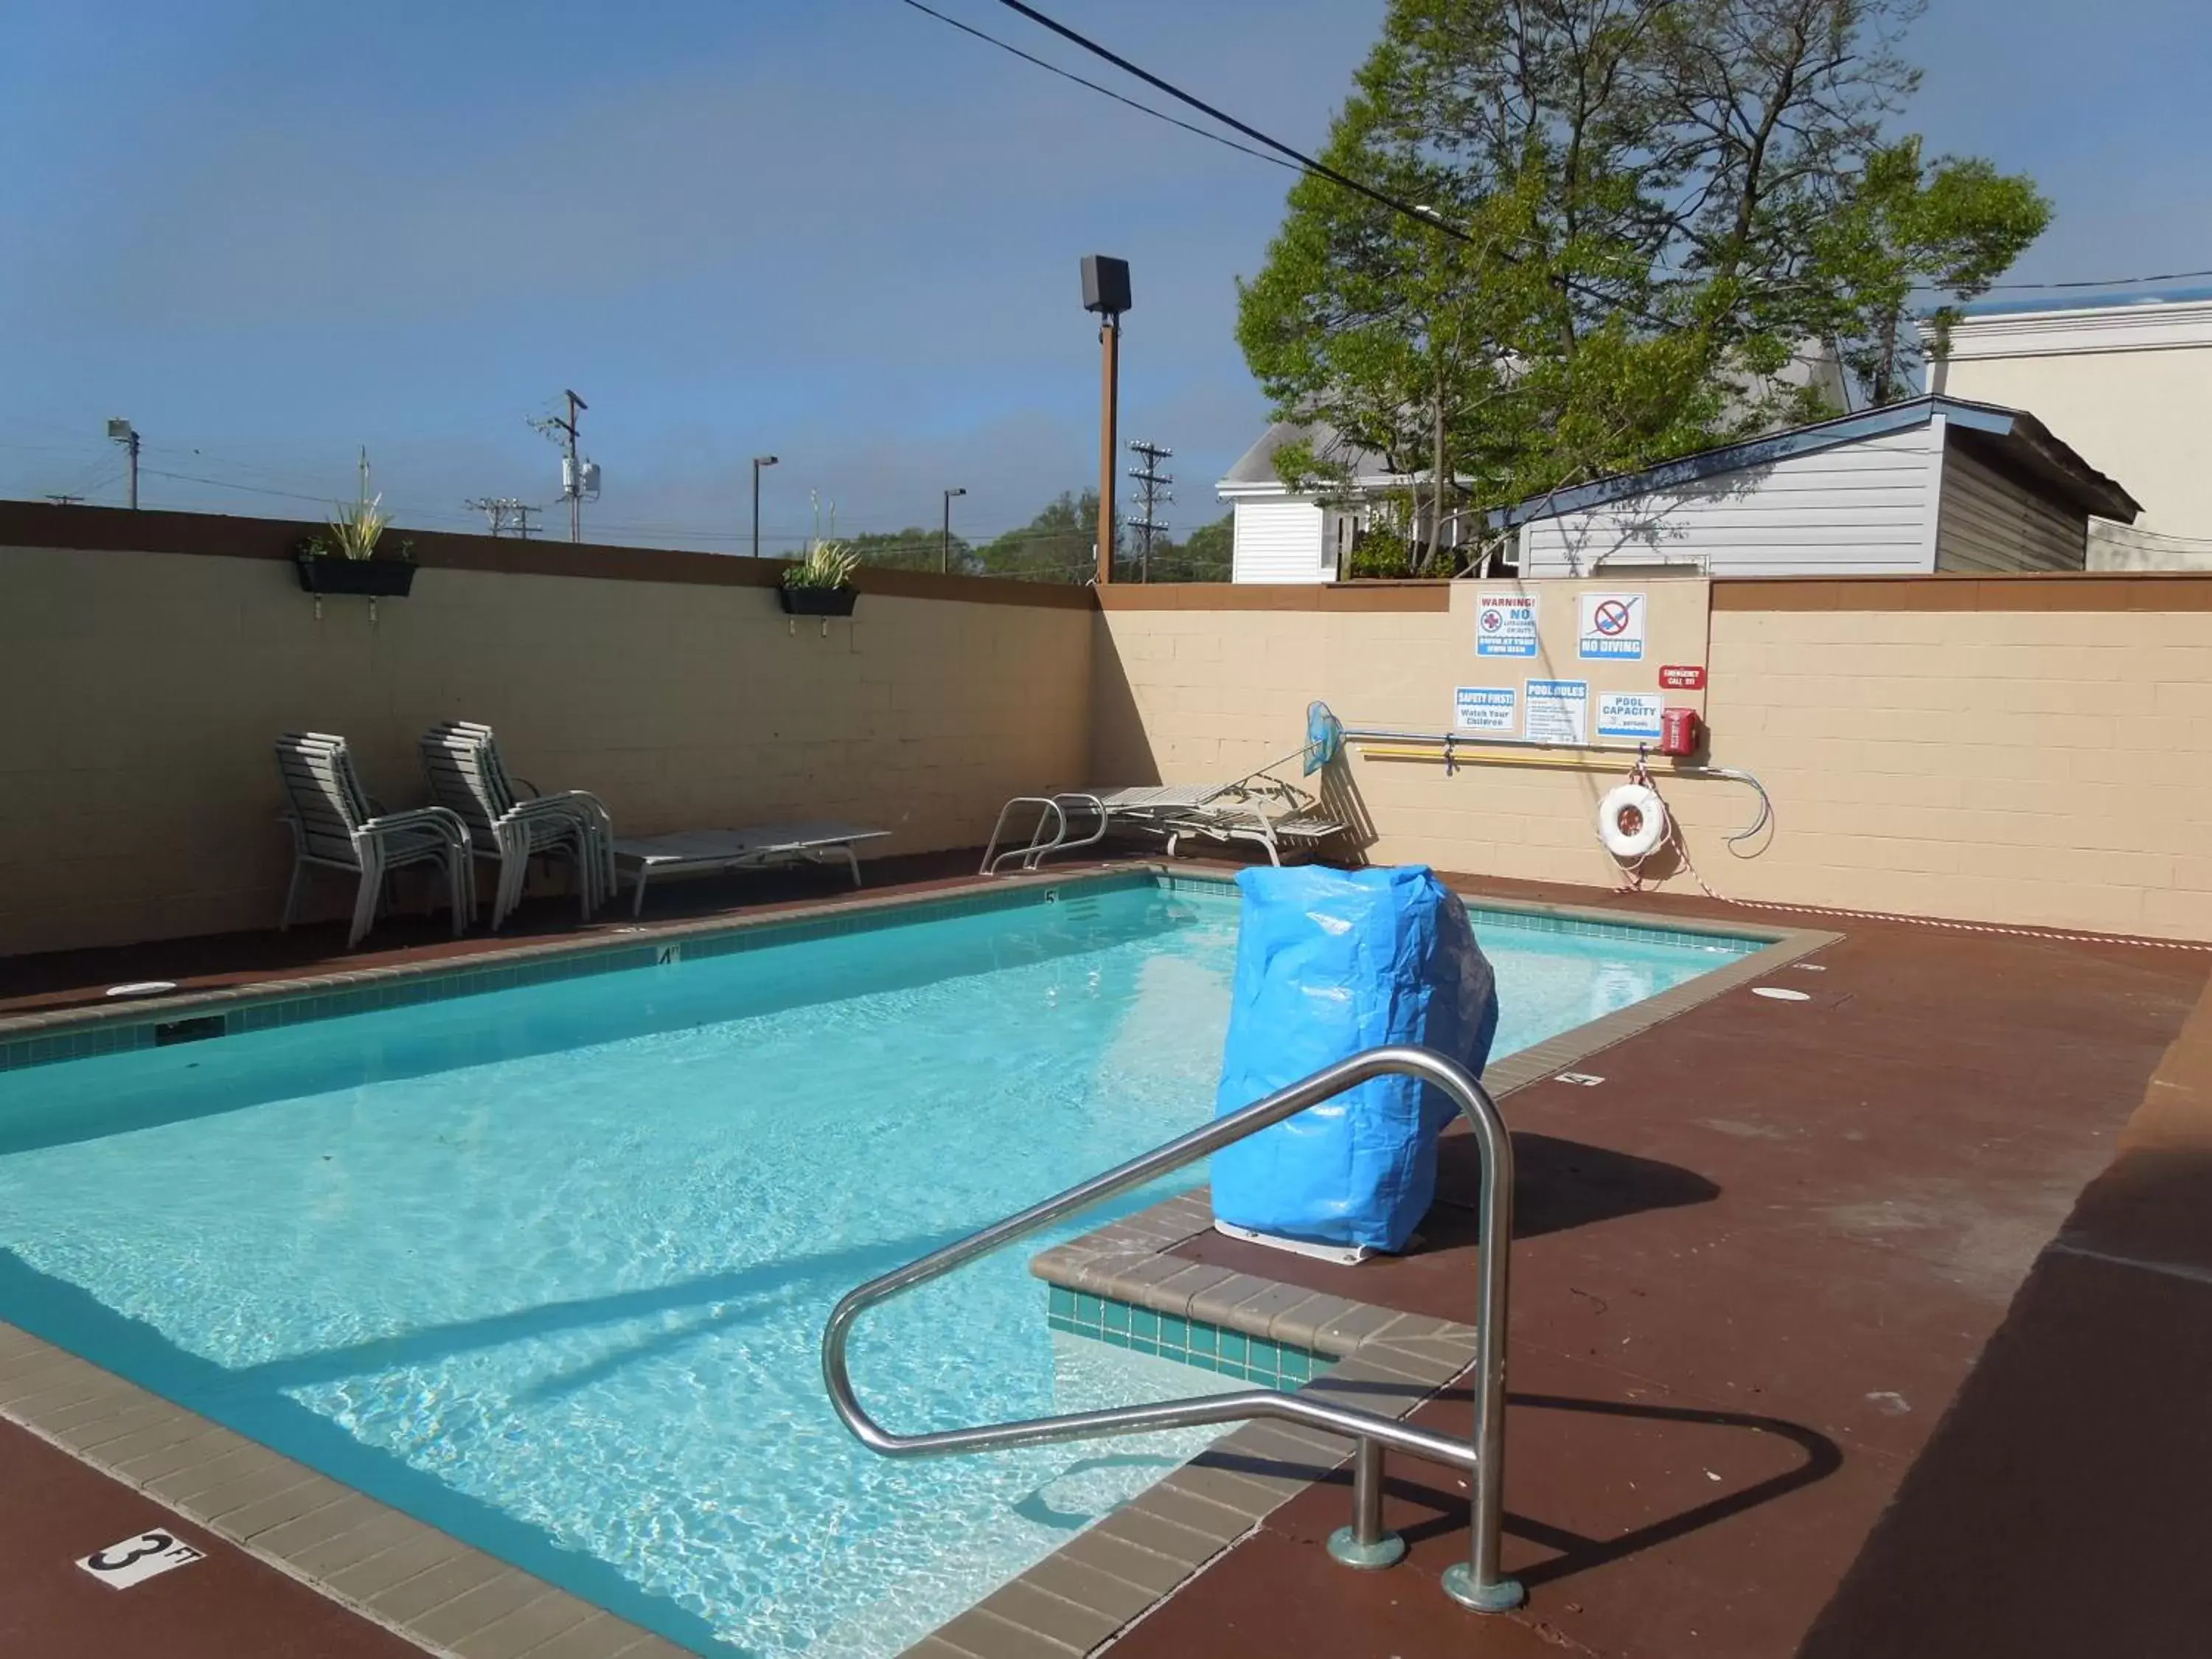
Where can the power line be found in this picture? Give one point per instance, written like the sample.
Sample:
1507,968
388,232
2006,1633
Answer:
2112,282
1105,92
1319,169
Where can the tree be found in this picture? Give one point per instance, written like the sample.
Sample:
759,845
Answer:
914,549
1061,545
1206,556
1633,204
1953,226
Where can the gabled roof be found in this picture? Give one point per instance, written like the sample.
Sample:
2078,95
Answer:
2009,437
1255,468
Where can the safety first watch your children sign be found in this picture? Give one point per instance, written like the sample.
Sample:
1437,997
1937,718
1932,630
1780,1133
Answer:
1609,627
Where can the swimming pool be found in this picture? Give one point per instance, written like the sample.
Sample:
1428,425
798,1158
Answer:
548,1266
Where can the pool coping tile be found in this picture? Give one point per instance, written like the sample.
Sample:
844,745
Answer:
305,1524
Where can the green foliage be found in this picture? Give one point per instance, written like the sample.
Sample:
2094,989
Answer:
915,548
1659,205
1954,225
1061,545
353,534
827,564
1205,555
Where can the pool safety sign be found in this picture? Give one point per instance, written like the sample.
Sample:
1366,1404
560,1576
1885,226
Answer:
1610,628
135,1560
1487,708
1506,625
1631,714
1557,710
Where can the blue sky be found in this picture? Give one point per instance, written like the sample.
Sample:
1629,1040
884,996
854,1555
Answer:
271,231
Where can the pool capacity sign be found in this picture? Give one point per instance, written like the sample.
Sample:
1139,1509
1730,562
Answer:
1505,625
1610,627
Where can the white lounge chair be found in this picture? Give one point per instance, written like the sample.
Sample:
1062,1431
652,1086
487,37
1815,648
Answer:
1259,808
771,845
461,761
335,826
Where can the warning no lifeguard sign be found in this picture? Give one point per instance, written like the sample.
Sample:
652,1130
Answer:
1504,624
1610,628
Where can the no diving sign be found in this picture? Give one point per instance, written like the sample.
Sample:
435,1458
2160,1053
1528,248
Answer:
135,1560
1610,627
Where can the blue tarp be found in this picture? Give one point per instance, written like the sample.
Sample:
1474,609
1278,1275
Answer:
1329,963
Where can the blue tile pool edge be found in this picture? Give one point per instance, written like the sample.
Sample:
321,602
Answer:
1188,1341
84,1033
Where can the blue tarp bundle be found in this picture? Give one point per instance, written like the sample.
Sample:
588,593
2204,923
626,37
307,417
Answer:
1329,963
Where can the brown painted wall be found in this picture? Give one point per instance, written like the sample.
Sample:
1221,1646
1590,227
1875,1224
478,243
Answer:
2022,749
138,793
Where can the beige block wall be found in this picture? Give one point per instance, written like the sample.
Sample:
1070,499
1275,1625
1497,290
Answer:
2046,768
138,796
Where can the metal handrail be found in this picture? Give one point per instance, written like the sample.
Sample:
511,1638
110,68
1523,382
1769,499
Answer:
1051,809
1475,1582
1451,742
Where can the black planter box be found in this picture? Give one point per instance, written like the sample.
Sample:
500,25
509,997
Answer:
376,579
817,601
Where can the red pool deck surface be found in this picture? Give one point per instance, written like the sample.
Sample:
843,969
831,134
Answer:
1876,1324
54,1512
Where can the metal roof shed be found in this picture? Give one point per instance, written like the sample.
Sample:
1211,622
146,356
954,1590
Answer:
1911,488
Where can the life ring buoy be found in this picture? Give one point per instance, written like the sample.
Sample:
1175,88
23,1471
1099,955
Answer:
1632,821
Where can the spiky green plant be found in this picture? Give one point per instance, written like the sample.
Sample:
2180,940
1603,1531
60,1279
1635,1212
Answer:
827,564
355,528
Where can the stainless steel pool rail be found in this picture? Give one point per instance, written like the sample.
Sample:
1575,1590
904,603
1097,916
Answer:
1051,835
1475,1582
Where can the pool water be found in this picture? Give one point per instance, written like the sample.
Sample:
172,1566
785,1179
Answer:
548,1267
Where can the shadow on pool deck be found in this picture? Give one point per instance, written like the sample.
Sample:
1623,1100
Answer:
1723,1378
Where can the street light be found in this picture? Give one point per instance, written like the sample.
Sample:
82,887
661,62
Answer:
759,461
944,564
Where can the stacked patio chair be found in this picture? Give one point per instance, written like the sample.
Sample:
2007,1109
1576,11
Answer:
336,826
467,778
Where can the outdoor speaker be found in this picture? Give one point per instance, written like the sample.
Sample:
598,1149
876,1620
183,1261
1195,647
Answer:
1105,284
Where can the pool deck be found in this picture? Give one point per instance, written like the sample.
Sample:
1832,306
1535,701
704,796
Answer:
1875,1323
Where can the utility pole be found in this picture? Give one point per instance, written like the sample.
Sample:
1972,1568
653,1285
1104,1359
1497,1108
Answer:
66,501
580,478
1106,291
759,461
504,514
126,435
944,558
1156,492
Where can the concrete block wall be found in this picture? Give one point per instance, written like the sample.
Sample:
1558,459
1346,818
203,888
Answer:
138,796
2028,750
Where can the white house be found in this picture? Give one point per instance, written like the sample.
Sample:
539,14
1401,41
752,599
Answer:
1933,484
1283,537
2128,379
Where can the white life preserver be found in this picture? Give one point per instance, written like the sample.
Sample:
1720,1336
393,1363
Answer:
1632,821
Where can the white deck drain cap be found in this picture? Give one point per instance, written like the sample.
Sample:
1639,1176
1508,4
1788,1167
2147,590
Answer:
143,987
1779,994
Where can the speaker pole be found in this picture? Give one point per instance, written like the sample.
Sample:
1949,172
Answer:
1110,417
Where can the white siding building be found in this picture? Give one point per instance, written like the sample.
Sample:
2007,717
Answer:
1280,537
2128,380
1934,484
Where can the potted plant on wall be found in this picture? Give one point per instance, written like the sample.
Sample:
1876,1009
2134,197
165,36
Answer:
342,558
821,584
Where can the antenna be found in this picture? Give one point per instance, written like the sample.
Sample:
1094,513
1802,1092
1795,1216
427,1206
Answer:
580,478
1156,492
